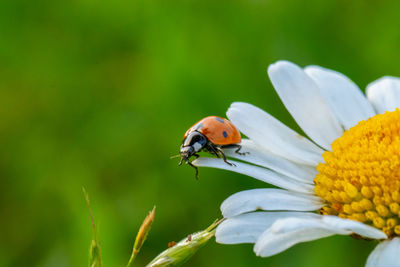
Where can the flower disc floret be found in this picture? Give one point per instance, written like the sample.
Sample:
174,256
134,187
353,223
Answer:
360,179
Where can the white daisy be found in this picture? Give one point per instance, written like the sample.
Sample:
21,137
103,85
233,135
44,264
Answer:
344,180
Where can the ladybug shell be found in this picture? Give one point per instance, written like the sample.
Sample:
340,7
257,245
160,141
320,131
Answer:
218,131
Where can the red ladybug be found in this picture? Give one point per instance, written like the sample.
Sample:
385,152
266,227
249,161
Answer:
210,134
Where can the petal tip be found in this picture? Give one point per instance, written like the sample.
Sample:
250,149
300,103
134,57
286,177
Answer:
279,65
385,80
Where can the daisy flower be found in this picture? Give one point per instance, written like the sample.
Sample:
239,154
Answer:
343,179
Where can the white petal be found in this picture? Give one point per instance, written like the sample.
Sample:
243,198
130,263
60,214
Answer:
268,199
246,228
386,254
303,100
351,226
384,94
273,135
343,96
285,233
258,173
259,156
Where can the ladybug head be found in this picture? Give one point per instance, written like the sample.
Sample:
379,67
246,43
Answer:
186,152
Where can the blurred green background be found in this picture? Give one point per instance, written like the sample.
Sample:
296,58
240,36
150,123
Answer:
100,93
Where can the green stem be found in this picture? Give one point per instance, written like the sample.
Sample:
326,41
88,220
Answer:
132,258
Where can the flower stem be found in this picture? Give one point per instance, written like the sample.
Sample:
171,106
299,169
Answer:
95,250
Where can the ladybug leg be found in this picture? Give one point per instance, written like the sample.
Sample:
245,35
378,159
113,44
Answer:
237,151
195,167
217,151
221,152
240,153
213,150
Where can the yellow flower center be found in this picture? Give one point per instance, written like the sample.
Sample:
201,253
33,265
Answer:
360,179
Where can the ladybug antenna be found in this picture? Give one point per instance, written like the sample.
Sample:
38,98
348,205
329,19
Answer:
176,156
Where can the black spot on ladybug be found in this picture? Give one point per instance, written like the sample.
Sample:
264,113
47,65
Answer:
225,134
219,119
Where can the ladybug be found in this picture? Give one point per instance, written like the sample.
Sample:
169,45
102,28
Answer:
210,134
